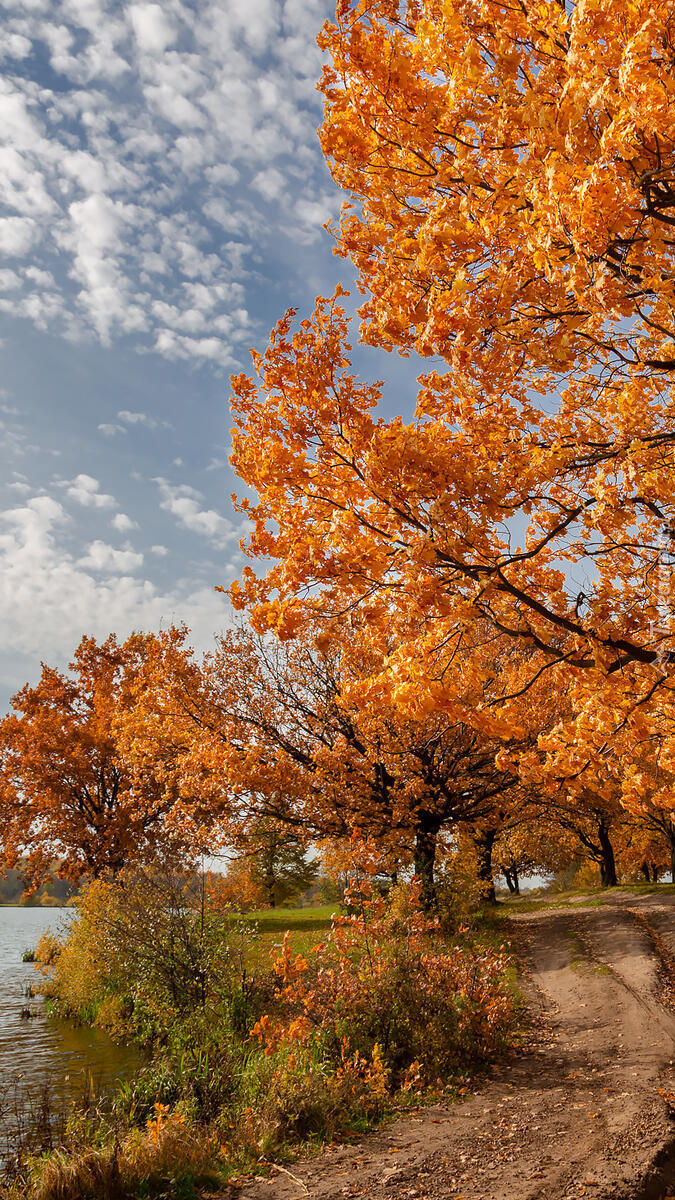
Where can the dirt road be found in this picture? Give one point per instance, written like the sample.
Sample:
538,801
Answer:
578,1113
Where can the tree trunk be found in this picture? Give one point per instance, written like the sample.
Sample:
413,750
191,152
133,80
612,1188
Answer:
644,867
425,859
608,874
655,873
510,881
516,880
270,884
671,840
484,843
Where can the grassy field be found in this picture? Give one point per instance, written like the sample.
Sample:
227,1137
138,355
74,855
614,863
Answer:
275,920
306,927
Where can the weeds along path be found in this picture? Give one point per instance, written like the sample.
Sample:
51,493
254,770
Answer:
578,1112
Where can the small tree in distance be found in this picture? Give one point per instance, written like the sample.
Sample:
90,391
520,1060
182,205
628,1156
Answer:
278,863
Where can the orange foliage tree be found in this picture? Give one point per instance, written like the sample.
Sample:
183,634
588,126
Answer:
642,854
512,167
68,794
294,736
512,181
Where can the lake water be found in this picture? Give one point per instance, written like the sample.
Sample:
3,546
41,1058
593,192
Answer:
42,1050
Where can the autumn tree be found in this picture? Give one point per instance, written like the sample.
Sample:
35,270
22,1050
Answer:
592,821
511,168
233,890
617,762
642,854
296,734
511,177
513,216
68,794
655,815
492,836
530,848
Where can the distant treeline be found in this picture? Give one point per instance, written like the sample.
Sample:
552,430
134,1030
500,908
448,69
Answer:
52,892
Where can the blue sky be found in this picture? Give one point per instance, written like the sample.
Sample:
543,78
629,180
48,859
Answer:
162,194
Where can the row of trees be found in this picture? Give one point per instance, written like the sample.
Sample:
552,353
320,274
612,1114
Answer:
466,635
277,753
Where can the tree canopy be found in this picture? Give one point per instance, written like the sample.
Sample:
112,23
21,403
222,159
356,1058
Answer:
68,793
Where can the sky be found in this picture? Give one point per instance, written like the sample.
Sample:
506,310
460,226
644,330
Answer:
162,197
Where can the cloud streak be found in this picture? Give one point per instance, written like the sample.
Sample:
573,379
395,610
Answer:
85,490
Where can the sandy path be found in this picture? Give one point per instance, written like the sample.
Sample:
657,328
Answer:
577,1114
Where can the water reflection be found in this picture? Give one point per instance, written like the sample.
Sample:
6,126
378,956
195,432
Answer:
43,1050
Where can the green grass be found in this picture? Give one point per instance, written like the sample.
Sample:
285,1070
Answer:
648,888
508,908
278,920
306,927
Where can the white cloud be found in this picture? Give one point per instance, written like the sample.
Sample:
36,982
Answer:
9,281
102,557
18,126
97,231
183,502
216,463
159,551
135,193
270,183
210,349
17,235
122,523
153,32
49,597
25,526
13,45
85,490
109,430
140,418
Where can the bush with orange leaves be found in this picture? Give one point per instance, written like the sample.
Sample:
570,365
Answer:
387,987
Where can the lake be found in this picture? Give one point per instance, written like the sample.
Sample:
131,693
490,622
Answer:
43,1050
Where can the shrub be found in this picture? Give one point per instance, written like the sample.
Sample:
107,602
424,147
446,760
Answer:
296,1095
245,1066
148,956
385,981
47,950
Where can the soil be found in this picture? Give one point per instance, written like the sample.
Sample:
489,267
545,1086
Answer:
579,1111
